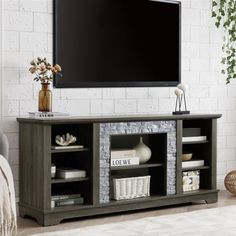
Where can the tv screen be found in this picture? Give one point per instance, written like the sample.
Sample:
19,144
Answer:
117,43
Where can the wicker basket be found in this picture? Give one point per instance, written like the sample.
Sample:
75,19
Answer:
130,188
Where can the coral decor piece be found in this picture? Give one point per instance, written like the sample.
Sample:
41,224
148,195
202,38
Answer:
65,140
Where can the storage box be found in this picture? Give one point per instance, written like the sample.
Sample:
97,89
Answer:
191,180
130,188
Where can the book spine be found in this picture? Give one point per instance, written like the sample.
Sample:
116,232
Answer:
70,175
124,153
67,147
64,197
186,164
194,138
125,161
69,202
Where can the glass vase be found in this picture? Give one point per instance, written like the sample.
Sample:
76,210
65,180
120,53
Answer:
45,98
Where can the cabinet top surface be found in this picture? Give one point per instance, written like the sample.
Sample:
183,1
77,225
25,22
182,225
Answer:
117,118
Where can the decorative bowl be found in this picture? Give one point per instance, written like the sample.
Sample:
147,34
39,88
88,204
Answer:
187,156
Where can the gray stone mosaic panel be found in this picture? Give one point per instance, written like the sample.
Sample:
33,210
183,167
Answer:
108,129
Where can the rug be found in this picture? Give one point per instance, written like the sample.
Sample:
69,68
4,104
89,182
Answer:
208,222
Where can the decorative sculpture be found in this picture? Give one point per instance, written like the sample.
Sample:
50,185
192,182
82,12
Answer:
65,140
180,99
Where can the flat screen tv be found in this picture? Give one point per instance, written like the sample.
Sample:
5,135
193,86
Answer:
117,43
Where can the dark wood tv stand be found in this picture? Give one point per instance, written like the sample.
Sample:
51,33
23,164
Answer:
162,133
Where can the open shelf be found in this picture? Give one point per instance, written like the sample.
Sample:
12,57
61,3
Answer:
196,168
141,166
57,181
70,150
155,167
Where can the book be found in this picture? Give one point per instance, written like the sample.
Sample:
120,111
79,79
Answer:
65,196
67,147
191,180
194,138
67,173
192,163
124,161
47,114
67,202
121,153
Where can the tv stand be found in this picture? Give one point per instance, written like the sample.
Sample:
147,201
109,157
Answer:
162,133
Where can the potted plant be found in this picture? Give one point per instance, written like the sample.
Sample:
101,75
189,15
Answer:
224,12
44,73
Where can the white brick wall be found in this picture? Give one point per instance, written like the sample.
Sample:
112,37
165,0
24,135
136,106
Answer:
27,33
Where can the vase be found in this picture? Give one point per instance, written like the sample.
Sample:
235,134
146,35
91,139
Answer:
45,98
143,152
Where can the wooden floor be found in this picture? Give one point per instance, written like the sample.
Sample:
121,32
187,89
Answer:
29,227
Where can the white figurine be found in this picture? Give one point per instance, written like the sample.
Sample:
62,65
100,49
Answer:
180,96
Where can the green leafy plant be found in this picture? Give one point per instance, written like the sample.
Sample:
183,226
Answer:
224,12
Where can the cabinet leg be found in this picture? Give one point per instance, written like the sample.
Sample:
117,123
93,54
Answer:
212,200
49,221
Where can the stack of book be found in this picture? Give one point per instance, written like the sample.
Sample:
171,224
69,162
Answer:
66,200
69,173
192,163
194,138
48,114
124,157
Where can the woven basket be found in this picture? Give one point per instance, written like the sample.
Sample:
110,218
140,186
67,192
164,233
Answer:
130,188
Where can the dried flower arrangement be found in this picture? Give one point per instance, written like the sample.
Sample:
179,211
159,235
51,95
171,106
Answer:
43,70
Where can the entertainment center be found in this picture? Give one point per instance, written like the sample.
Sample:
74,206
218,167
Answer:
162,133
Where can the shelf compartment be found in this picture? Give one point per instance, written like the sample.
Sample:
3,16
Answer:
81,186
196,168
70,150
141,166
57,181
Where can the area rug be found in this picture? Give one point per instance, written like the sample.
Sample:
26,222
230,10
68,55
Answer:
217,222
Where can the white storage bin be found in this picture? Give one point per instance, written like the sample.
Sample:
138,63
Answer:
130,188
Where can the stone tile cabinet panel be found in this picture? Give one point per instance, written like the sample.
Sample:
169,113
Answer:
163,135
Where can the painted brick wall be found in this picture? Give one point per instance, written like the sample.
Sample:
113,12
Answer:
27,33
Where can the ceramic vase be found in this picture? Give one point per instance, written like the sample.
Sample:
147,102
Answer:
143,152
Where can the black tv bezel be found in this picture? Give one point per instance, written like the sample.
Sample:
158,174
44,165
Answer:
115,84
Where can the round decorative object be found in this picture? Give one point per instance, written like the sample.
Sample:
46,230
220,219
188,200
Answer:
143,152
183,87
178,92
230,182
187,156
